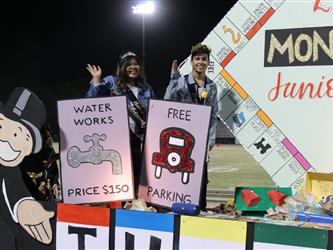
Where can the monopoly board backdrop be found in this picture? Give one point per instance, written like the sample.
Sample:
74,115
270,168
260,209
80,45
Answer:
174,152
272,62
95,154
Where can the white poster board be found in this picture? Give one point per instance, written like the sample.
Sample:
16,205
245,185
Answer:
82,227
144,230
174,152
95,154
209,233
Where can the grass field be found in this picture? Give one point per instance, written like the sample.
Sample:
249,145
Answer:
231,166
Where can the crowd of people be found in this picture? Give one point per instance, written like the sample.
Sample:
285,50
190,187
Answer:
40,171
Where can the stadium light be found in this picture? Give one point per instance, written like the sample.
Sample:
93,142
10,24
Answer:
143,9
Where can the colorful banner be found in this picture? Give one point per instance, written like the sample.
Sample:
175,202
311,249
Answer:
272,63
82,227
95,154
207,233
174,152
144,230
87,227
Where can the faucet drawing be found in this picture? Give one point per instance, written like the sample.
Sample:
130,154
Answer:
95,155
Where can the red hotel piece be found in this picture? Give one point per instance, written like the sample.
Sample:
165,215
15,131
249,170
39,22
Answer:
277,197
250,198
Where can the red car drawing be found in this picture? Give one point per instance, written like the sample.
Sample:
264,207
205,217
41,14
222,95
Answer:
176,146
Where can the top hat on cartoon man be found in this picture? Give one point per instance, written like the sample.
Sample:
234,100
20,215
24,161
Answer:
22,108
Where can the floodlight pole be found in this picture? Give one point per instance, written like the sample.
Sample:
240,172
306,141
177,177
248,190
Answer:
143,9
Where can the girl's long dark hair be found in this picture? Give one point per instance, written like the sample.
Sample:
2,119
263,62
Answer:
122,77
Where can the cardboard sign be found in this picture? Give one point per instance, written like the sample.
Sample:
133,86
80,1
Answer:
174,152
272,63
319,184
207,233
86,227
82,227
267,236
144,230
24,222
95,154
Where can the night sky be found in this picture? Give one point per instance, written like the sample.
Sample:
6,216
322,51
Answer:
45,45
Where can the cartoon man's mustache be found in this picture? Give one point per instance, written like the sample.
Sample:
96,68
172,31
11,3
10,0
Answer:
7,153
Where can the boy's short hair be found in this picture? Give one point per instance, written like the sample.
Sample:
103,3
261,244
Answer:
200,48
